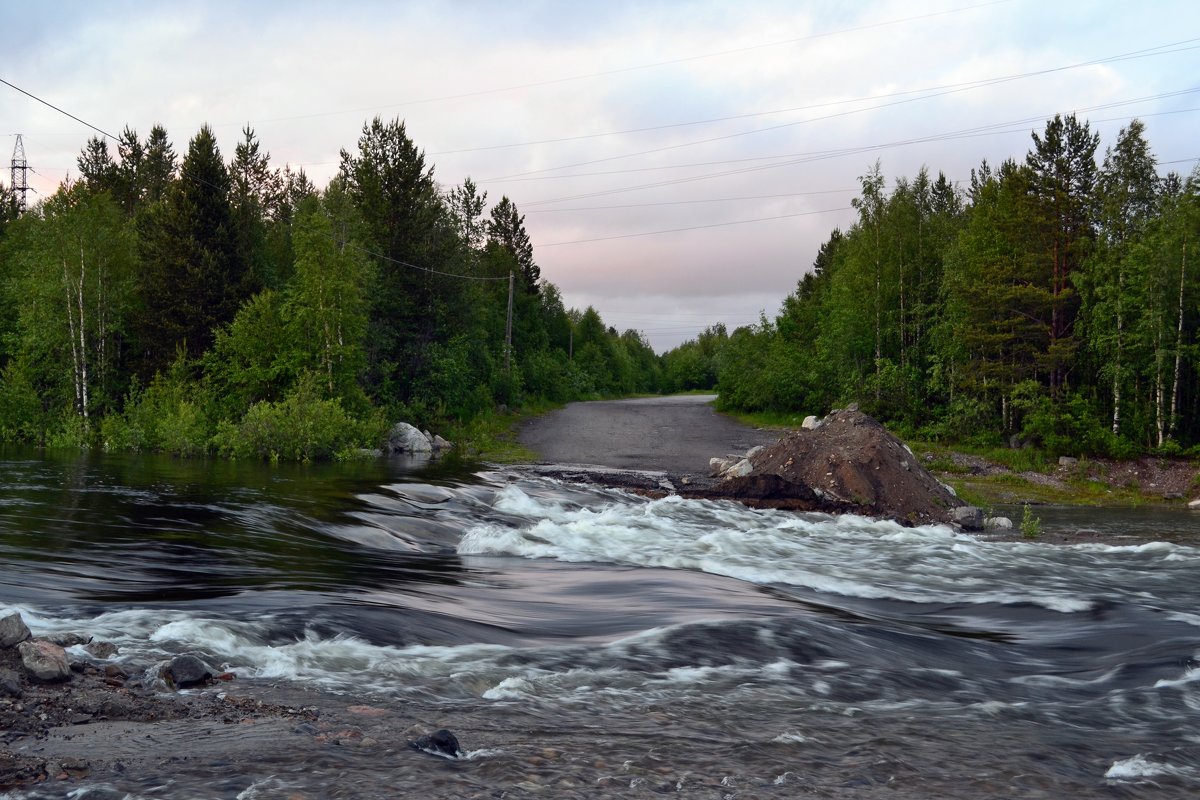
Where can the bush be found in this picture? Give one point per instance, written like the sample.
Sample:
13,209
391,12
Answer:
301,427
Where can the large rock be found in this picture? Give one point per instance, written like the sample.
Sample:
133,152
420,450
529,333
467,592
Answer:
13,630
404,438
45,661
849,463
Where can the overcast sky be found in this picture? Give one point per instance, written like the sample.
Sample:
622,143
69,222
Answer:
678,163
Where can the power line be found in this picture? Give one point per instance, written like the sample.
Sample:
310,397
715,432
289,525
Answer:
380,256
951,89
822,155
59,110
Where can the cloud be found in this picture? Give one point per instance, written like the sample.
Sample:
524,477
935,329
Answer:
629,111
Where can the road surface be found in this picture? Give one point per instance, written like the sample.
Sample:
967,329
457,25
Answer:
676,434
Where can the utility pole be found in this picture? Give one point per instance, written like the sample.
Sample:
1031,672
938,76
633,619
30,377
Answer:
508,328
20,179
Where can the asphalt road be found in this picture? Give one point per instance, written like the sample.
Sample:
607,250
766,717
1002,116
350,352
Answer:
676,434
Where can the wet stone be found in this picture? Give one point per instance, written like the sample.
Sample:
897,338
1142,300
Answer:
45,661
188,670
13,630
441,742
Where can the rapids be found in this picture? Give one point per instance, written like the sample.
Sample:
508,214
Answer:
583,642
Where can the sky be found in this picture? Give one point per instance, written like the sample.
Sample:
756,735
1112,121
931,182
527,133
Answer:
678,163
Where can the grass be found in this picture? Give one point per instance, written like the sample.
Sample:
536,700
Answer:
493,436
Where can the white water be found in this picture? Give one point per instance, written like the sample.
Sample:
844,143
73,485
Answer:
845,555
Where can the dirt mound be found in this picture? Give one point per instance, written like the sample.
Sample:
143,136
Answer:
848,463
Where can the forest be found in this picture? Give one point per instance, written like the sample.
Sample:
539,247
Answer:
191,305
1053,302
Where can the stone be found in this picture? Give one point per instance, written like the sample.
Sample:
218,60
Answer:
1067,461
404,438
717,466
1172,495
45,661
998,523
753,451
739,470
810,423
13,630
67,639
438,743
10,683
102,650
187,670
969,518
440,444
1194,504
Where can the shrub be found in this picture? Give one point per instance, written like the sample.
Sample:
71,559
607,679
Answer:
301,427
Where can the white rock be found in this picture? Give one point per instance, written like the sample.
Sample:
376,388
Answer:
810,423
1194,503
739,470
1000,523
404,438
717,465
753,451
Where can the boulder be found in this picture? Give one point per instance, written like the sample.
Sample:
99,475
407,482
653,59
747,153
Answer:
45,661
739,470
13,630
849,463
998,523
753,451
404,438
440,444
1067,461
969,518
187,670
810,423
717,466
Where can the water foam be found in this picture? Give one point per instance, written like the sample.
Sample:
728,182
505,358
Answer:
846,555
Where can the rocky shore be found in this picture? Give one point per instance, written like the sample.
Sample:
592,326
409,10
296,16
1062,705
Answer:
71,710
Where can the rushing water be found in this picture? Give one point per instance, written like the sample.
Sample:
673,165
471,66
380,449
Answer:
589,643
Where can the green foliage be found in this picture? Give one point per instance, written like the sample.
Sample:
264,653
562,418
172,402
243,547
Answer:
301,427
1031,526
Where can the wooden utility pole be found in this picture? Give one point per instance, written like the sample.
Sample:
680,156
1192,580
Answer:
508,328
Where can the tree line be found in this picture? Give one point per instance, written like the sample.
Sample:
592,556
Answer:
1054,301
193,305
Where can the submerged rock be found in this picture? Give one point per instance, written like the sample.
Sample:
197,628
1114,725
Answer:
442,743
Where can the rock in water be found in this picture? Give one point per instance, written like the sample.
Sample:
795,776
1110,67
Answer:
185,671
13,630
849,463
442,743
404,438
969,518
45,661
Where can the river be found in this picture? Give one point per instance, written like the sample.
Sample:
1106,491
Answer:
584,642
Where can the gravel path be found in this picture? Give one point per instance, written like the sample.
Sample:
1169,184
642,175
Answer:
676,434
